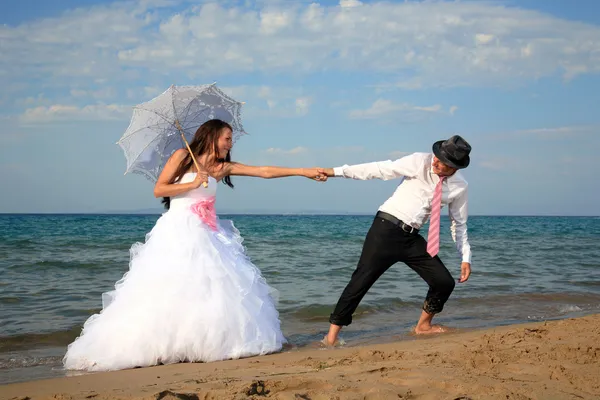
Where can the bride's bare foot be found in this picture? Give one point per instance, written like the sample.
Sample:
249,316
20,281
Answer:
429,329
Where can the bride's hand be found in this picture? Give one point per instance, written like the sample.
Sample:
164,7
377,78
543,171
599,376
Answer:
200,179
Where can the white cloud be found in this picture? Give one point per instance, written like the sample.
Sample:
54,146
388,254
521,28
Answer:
325,156
240,93
273,22
40,99
410,84
273,101
104,93
302,105
453,109
496,163
482,38
425,44
546,133
560,131
78,93
394,155
385,108
67,113
435,108
350,3
264,92
294,151
152,91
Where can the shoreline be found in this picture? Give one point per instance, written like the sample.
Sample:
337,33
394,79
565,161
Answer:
557,359
277,214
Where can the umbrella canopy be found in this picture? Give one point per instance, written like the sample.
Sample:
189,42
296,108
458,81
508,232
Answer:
168,122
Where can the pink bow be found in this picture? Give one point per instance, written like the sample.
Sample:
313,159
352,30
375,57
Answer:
205,209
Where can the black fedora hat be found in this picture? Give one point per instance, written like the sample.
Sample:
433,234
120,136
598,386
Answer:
453,152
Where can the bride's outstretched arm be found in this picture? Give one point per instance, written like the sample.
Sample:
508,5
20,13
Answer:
270,172
165,189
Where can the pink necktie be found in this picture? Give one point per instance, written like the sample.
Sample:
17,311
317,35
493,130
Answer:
433,238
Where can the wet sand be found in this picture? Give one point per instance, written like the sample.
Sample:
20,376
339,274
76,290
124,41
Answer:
545,360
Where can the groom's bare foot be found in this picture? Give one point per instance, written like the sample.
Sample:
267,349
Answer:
329,342
429,329
326,342
331,339
335,342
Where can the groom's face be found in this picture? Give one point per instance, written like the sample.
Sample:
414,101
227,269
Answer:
441,169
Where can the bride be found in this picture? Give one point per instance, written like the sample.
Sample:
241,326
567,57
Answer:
191,293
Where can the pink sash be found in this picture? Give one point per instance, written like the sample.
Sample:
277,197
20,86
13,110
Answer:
205,209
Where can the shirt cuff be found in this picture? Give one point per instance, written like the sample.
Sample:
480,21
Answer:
466,257
338,171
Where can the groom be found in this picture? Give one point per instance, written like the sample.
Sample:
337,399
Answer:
428,181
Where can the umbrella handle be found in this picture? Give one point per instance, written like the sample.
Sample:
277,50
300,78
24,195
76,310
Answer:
205,184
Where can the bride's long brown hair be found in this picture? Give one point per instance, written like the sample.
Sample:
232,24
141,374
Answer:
205,141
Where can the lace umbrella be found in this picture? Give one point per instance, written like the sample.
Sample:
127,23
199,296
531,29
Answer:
168,122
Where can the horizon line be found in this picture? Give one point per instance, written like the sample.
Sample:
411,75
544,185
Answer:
296,213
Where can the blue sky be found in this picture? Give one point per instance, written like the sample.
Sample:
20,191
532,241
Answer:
324,83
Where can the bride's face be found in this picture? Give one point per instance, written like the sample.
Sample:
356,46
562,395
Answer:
224,143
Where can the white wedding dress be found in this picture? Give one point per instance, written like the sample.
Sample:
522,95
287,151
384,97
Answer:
191,295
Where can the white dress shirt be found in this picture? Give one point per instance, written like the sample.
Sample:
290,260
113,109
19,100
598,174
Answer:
411,202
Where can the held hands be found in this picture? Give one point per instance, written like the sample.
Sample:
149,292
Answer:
325,172
315,174
465,272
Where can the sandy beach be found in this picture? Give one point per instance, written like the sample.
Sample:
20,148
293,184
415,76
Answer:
545,360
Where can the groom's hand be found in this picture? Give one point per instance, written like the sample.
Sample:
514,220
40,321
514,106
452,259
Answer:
465,272
325,172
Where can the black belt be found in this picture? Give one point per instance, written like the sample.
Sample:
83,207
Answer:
388,217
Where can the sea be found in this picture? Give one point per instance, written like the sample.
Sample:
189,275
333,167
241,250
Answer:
54,269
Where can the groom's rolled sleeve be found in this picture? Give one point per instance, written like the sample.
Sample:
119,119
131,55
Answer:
406,166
